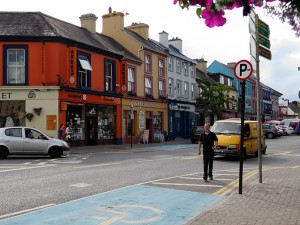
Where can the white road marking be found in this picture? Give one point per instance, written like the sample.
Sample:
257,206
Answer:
25,168
198,178
189,185
97,165
26,211
80,185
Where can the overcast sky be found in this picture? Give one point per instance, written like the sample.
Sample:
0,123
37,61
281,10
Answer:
229,43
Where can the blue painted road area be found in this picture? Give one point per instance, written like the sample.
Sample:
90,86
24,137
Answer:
138,204
171,147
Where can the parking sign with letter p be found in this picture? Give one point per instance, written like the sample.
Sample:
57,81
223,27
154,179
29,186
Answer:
243,69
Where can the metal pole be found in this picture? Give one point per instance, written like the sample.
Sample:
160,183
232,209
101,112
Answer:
242,138
131,118
258,99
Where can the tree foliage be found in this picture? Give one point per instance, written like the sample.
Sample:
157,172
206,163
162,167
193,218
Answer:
213,97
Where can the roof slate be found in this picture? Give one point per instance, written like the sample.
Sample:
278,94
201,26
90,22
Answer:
37,24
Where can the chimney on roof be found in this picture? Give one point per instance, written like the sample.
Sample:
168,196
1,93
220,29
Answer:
88,21
140,28
177,43
109,10
112,22
163,38
202,65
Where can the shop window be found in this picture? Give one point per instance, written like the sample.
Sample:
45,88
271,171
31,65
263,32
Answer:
106,122
84,71
15,65
110,74
12,113
76,116
157,121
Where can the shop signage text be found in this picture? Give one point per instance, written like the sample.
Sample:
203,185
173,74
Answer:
179,107
143,104
5,95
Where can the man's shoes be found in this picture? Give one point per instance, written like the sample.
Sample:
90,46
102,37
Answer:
205,179
211,178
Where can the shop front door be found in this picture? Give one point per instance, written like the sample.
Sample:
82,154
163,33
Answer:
91,130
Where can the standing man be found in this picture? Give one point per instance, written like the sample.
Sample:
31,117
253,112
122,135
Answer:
210,142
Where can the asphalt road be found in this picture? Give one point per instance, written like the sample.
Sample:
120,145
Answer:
30,183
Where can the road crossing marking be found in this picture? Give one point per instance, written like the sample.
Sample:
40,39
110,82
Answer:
25,168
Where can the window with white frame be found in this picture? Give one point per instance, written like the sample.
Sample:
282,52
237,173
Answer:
171,86
185,69
15,61
221,79
84,71
109,75
186,89
161,67
178,88
131,79
192,71
161,87
170,64
178,66
193,91
229,82
148,85
147,63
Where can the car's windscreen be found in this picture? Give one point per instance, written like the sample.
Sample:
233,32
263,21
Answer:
226,128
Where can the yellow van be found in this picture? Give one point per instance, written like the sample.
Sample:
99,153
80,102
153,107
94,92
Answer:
229,139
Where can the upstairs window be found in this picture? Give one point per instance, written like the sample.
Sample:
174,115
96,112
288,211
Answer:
221,79
161,87
170,64
178,66
147,63
171,86
131,79
161,68
178,88
193,91
15,64
148,86
192,71
186,89
84,71
109,75
185,69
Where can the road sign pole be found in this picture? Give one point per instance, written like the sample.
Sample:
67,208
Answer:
242,138
258,100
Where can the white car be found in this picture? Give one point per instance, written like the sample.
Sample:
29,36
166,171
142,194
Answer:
29,141
286,129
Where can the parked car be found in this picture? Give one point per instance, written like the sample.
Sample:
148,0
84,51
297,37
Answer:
271,131
280,130
286,129
195,133
29,141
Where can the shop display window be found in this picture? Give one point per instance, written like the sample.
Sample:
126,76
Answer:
12,113
106,122
76,116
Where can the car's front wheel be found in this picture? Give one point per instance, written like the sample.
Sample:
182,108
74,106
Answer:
3,152
55,152
270,135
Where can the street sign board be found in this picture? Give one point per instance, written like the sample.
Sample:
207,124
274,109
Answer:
263,28
252,47
264,41
243,69
266,53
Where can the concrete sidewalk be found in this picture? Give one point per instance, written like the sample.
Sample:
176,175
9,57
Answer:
274,201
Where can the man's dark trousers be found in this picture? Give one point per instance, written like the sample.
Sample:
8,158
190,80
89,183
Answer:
208,158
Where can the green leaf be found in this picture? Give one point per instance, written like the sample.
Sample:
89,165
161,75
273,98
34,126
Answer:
199,12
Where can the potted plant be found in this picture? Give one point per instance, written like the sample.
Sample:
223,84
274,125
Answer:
29,116
37,110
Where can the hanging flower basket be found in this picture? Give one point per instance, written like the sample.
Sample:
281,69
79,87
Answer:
29,116
38,110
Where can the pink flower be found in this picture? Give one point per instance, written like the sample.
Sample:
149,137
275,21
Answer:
213,18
